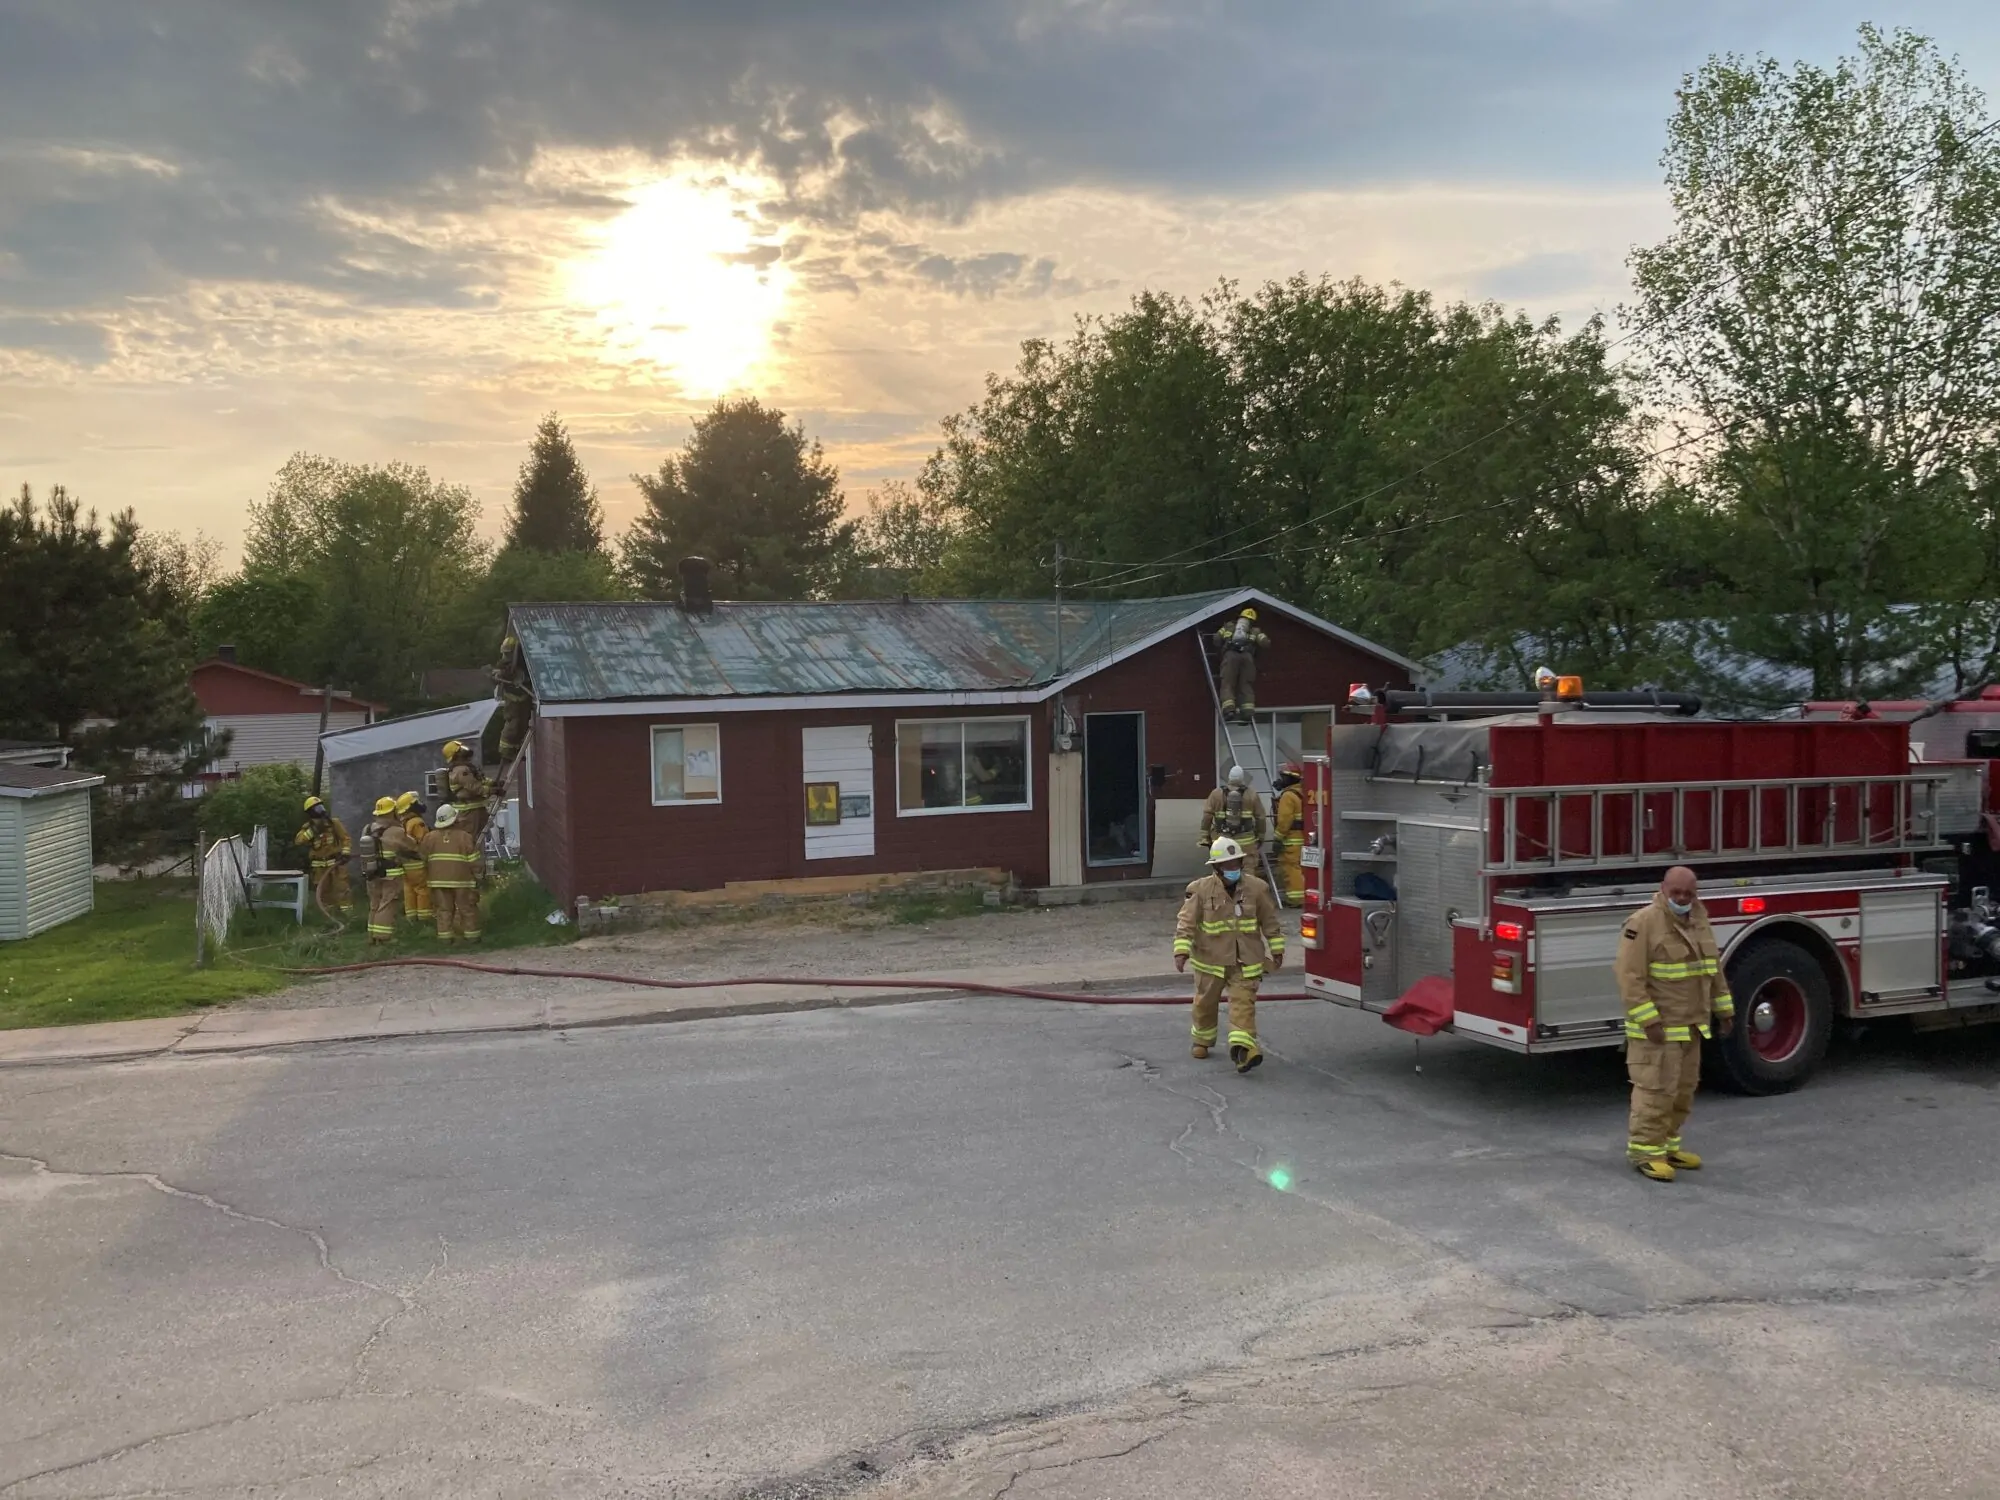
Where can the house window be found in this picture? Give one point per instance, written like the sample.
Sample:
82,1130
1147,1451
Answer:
961,765
687,764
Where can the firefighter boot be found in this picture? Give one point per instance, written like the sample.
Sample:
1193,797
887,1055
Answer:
1682,1159
1655,1168
1198,1051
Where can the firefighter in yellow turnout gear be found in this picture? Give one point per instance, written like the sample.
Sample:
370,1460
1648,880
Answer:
1227,922
517,699
451,863
469,790
1241,641
325,838
387,845
1288,835
1670,978
1233,811
416,889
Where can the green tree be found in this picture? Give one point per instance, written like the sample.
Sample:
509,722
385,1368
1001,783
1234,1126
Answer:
272,619
1828,308
521,576
94,654
262,797
752,495
555,505
377,559
900,544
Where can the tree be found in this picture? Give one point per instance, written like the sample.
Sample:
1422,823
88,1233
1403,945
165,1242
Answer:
900,544
262,797
91,657
555,506
753,496
521,576
374,559
1828,308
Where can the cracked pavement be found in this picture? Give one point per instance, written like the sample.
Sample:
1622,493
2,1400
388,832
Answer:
971,1249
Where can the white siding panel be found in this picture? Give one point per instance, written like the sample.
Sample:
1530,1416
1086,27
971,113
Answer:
276,739
13,913
841,754
55,848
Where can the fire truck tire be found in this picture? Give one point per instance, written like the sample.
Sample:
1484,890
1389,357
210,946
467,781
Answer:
1784,1019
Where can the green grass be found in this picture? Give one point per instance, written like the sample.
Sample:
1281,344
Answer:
133,957
913,910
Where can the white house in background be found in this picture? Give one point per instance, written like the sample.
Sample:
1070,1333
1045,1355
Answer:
33,753
272,720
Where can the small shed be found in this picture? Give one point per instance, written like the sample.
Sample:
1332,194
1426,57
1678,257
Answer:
45,856
391,757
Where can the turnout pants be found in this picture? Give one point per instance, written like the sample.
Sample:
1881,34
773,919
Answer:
1239,680
330,882
1242,990
385,904
457,910
513,728
416,893
1664,1076
1291,871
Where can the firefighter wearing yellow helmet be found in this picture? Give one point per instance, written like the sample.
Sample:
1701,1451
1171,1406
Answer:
1227,924
385,846
517,700
469,791
416,888
1288,834
1241,640
325,839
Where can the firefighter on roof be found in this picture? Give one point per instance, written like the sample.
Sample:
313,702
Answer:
1241,641
1670,977
517,699
325,836
1224,927
1234,811
1288,834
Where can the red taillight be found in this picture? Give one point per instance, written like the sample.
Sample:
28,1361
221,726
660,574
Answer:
1309,932
1507,932
1750,906
1507,973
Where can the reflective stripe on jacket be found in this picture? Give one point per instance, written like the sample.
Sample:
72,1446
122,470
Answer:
1289,822
1221,927
1246,827
451,859
1670,971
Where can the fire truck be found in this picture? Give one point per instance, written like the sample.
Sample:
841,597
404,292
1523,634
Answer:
1470,858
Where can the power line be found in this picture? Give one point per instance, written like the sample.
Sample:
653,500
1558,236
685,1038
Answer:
1158,567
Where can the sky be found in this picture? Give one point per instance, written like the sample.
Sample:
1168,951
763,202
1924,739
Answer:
231,230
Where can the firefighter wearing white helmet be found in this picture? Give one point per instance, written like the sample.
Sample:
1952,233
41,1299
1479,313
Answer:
1241,640
451,867
1225,927
1234,810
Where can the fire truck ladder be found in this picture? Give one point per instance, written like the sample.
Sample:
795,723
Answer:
1536,829
1251,759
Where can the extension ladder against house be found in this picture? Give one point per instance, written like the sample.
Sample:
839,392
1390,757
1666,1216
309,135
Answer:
1247,752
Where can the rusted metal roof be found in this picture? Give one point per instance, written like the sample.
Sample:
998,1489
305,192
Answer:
608,652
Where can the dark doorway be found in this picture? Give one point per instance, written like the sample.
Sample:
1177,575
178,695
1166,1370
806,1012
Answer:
1114,789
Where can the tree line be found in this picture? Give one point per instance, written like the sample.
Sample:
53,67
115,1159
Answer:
1779,473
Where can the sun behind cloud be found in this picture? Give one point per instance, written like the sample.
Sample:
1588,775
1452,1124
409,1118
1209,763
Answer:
685,280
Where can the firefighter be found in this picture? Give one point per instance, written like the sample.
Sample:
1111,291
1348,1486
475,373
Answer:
1233,811
1228,920
1288,837
517,700
325,838
451,866
384,845
1670,978
416,889
1241,641
470,791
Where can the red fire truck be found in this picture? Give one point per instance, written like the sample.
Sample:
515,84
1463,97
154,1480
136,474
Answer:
1470,857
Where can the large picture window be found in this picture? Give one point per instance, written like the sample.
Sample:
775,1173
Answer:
961,765
687,764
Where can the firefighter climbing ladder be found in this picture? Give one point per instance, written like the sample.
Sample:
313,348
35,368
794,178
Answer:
1252,759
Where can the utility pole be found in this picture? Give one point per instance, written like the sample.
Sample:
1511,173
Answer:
319,742
1059,602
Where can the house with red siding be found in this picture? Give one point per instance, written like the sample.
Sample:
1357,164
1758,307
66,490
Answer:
271,720
686,746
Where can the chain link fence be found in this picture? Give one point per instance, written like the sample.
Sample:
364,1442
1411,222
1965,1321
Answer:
226,868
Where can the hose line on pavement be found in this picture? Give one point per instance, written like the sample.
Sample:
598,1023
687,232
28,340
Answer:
940,986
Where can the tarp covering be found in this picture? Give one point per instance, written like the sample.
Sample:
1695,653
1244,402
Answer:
1425,1008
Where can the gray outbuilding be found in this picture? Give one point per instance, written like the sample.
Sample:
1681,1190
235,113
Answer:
45,856
392,756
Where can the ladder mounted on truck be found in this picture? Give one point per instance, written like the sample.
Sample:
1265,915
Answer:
1252,759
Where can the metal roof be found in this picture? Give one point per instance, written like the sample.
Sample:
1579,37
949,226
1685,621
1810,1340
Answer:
433,727
580,653
44,781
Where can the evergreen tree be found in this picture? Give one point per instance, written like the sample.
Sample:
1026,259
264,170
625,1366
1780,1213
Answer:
555,506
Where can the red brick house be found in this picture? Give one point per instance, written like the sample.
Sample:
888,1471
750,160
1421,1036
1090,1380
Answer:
678,749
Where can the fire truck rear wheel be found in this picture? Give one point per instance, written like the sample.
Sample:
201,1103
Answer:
1784,1019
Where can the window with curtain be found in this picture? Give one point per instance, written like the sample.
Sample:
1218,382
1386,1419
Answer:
961,765
687,764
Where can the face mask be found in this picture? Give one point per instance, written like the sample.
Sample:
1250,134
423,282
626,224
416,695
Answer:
1679,908
1232,876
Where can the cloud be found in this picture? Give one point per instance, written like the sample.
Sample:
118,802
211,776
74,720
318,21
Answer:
72,341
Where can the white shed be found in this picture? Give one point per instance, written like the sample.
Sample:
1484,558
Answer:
45,858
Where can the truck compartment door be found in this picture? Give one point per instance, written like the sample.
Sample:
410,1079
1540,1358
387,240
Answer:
1361,951
1576,993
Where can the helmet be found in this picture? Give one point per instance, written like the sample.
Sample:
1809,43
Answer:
1236,776
1545,680
447,815
313,804
407,801
1222,851
452,751
1288,774
1249,614
385,807
510,644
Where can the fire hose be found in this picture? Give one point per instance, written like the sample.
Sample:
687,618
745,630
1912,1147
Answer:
938,986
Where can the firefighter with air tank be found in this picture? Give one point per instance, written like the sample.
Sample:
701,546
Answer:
1234,810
